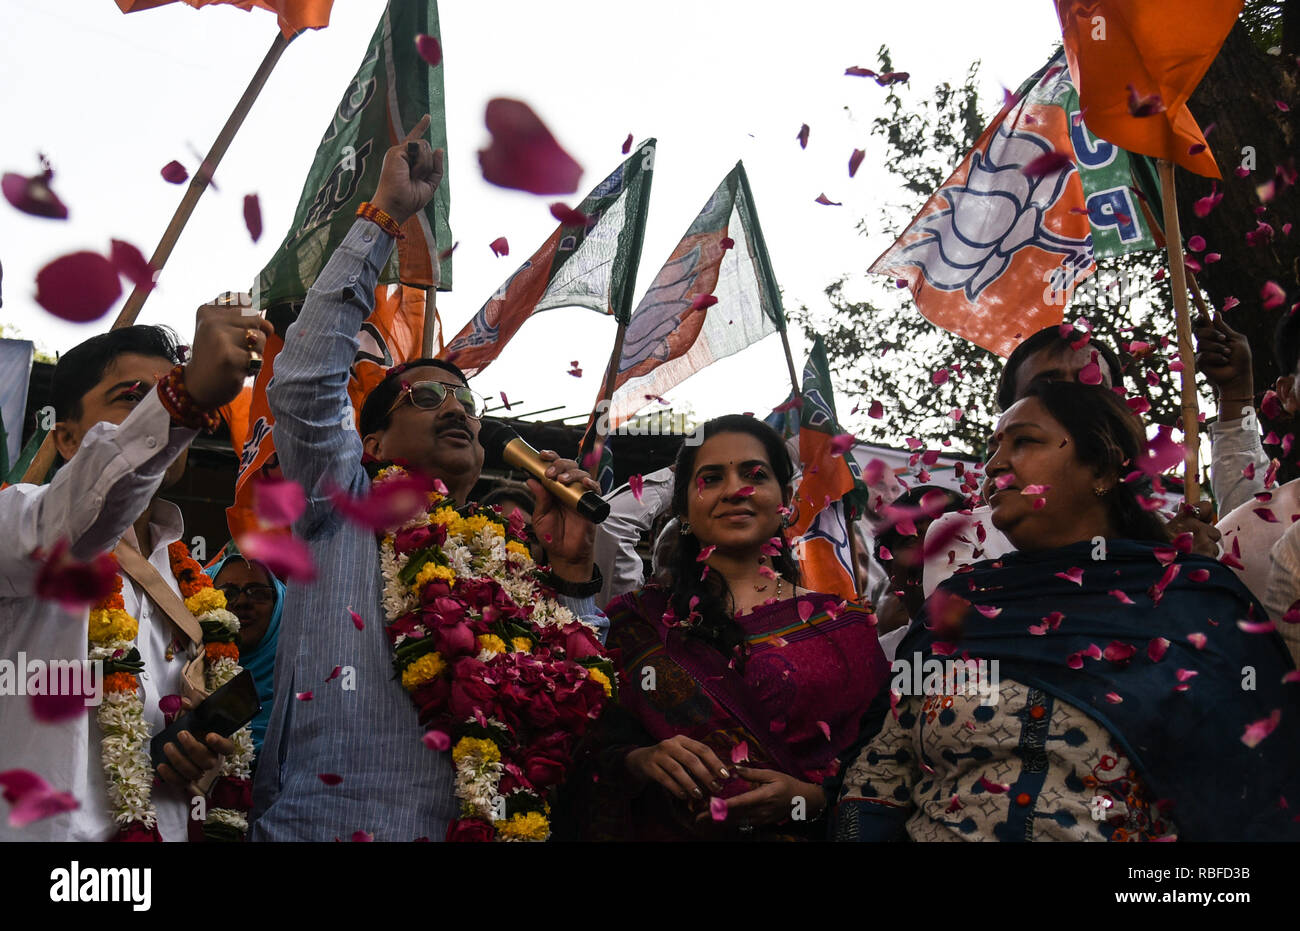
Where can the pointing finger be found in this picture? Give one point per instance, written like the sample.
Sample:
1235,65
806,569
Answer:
418,132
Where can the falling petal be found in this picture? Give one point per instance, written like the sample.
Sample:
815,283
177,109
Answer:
362,837
330,779
1144,105
334,674
303,696
997,788
576,371
627,144
1257,627
1119,652
1120,596
1262,728
1203,206
954,804
429,50
940,377
436,740
499,246
857,72
1047,163
568,216
1113,698
703,302
1272,295
826,201
637,484
278,502
1197,640
33,196
253,216
1185,674
740,752
131,264
1073,574
855,160
79,287
174,173
1292,676
718,809
286,556
390,504
988,610
524,155
706,552
841,444
357,620
892,77
943,648
70,582
1156,649
1075,661
824,728
1199,575
61,706
803,136
876,410
32,798
1093,651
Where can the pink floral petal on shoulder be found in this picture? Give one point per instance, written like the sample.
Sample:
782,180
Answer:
357,620
718,809
303,696
430,50
79,287
330,779
1260,729
1073,574
523,154
1156,649
334,674
436,740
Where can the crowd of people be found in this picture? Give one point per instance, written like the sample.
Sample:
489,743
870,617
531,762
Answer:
1076,658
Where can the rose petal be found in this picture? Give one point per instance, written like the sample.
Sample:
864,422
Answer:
79,287
1073,574
390,503
1120,596
278,502
523,154
1196,244
1046,164
131,264
718,809
330,779
499,246
334,674
70,582
876,410
64,706
857,72
842,443
253,216
1257,627
568,216
1197,640
174,173
32,798
1156,649
826,201
824,728
997,788
33,195
286,556
436,740
802,136
1119,652
637,484
303,696
1113,698
703,302
1272,295
1203,206
1262,728
357,620
362,837
1184,675
429,50
627,144
740,752
855,160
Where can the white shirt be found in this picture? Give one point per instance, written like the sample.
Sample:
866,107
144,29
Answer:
1283,588
1235,444
92,501
621,566
1255,536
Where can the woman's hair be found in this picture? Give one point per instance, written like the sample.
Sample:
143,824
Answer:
716,603
1109,437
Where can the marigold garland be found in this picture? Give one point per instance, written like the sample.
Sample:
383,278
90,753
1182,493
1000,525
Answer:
491,659
128,770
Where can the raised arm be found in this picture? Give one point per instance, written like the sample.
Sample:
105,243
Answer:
315,435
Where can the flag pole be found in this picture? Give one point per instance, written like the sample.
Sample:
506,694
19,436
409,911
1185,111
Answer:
589,442
430,322
1186,354
44,459
789,363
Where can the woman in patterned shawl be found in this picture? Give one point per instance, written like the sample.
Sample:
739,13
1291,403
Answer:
1126,689
739,689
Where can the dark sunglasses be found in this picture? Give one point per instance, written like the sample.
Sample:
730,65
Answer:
430,395
254,592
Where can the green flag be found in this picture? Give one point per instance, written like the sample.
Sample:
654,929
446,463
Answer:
392,90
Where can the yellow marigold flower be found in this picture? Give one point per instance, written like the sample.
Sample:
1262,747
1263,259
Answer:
433,571
519,549
492,643
497,529
522,645
111,624
594,673
476,748
445,515
205,600
475,523
527,826
427,667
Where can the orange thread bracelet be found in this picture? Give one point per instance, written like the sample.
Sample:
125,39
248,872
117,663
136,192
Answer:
369,211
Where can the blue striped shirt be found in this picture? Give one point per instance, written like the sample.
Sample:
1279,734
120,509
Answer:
392,785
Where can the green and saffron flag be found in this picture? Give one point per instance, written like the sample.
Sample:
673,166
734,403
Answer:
391,91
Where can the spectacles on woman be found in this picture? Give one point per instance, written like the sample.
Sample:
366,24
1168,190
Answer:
254,592
430,395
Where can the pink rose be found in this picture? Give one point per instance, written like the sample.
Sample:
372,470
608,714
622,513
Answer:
581,642
470,830
455,640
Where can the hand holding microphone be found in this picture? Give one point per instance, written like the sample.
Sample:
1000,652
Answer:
566,513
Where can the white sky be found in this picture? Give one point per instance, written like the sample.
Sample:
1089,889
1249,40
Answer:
111,98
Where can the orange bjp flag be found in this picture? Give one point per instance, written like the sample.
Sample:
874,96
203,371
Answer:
1123,51
294,15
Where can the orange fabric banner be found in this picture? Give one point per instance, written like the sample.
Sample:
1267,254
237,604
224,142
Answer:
294,15
389,336
1155,47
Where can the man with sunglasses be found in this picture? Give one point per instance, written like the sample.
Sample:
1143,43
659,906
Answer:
360,725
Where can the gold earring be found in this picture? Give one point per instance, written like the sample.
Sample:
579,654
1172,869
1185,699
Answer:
1100,492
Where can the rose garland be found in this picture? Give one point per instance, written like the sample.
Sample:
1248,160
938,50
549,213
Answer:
502,674
124,750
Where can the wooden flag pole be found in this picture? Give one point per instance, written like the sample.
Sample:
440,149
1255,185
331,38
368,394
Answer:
430,321
1186,354
589,442
44,459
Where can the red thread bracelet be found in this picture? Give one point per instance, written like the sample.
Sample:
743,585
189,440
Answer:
180,404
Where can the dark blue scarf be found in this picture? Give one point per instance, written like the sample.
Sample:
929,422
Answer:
1187,745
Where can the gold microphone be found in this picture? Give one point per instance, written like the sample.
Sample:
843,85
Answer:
501,442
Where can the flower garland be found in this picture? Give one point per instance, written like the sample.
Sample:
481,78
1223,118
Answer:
502,674
124,750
